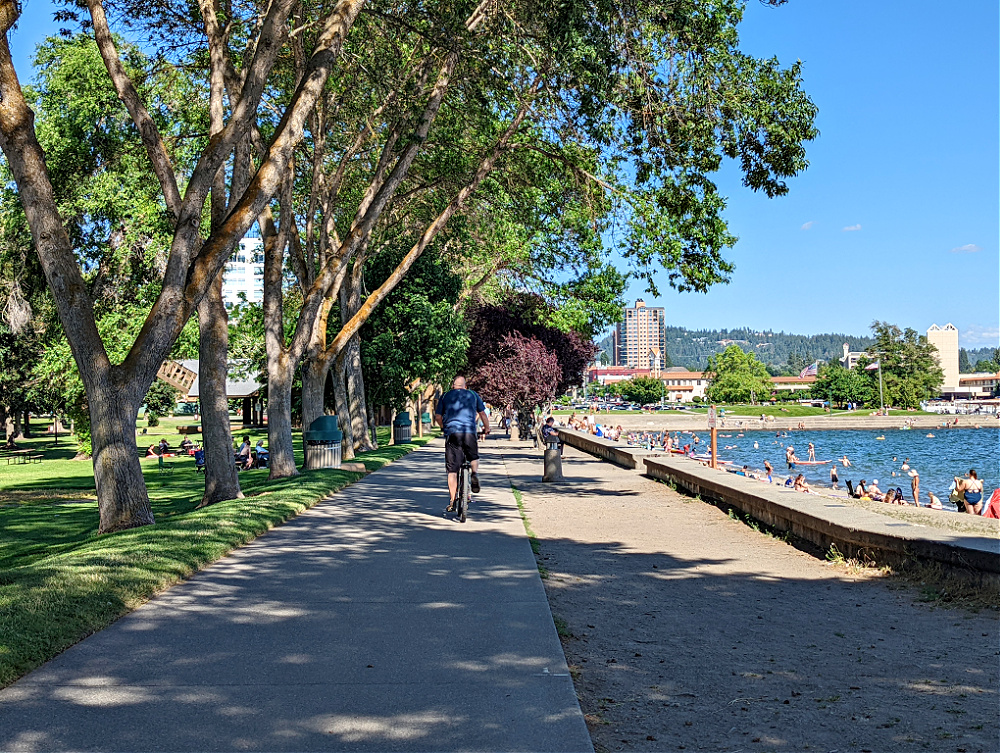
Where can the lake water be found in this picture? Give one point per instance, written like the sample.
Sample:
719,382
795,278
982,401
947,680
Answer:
950,453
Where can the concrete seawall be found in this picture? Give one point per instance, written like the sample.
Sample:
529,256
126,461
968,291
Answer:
598,447
679,421
823,521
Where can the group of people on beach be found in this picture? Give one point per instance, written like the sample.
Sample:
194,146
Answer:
588,424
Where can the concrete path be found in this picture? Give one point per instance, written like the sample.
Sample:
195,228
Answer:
370,622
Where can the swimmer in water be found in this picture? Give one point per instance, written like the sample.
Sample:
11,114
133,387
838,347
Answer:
756,446
845,462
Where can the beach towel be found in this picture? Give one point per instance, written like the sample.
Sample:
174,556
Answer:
992,509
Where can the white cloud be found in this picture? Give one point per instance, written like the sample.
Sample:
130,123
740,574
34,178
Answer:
968,248
977,336
807,225
852,228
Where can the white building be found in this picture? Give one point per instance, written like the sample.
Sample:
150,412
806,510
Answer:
244,273
945,339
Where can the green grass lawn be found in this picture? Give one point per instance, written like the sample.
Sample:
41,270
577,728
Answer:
778,411
60,581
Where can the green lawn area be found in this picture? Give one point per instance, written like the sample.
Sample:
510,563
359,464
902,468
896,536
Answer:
60,581
777,411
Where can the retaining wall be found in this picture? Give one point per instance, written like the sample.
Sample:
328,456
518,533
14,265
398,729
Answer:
599,447
825,521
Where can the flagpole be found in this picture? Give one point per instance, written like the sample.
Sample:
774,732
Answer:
881,397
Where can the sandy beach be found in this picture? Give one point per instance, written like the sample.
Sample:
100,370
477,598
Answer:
686,629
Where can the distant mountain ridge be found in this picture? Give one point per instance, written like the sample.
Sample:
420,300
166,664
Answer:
781,351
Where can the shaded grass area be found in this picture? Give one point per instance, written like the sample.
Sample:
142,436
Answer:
60,581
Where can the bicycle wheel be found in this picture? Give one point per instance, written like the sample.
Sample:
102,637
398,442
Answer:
464,493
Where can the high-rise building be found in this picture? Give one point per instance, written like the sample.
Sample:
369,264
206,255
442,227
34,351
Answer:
945,339
640,340
244,273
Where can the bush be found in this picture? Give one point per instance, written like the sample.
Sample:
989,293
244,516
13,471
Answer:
696,399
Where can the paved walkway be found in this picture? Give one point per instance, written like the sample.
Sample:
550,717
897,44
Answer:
370,622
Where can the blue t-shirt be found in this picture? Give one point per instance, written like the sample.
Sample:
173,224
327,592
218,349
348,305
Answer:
458,409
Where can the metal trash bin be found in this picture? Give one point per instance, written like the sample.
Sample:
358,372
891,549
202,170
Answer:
402,428
321,445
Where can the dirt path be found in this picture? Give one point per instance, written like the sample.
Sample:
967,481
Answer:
688,630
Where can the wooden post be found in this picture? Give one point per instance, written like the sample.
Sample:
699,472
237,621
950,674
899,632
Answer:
420,415
715,437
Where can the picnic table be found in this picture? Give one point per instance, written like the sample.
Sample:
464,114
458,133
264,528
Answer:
20,457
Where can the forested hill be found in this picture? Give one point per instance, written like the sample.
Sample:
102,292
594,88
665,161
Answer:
782,352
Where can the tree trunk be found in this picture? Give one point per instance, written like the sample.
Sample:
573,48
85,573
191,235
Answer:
279,418
121,489
357,402
221,479
314,374
26,426
343,408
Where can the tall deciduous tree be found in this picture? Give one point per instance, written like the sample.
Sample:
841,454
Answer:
490,100
910,371
642,389
736,376
522,375
115,389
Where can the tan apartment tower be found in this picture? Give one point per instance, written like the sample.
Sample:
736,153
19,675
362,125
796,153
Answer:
945,339
640,340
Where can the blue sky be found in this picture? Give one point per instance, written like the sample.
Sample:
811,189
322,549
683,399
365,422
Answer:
897,217
907,157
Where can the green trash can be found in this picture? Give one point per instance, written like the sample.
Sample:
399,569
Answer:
321,445
402,428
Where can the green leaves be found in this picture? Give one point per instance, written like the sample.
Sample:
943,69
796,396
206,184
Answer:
736,376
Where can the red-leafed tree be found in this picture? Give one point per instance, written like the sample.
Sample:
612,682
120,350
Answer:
526,314
522,375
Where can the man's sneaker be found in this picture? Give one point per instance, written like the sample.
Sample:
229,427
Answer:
475,484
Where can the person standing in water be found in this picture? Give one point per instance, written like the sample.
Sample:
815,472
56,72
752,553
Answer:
915,486
833,476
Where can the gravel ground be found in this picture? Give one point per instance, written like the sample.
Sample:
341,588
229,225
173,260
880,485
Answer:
687,630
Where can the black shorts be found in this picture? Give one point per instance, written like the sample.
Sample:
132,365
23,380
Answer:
459,447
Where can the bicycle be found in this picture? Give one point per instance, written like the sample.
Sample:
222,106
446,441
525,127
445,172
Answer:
464,491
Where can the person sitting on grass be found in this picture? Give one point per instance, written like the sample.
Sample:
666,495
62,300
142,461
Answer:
151,451
186,445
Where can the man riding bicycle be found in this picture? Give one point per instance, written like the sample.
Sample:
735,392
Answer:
456,414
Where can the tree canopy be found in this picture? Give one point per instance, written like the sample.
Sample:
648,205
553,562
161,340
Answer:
737,377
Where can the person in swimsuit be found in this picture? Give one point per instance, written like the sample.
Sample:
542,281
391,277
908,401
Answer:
833,476
769,470
812,452
972,487
915,486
